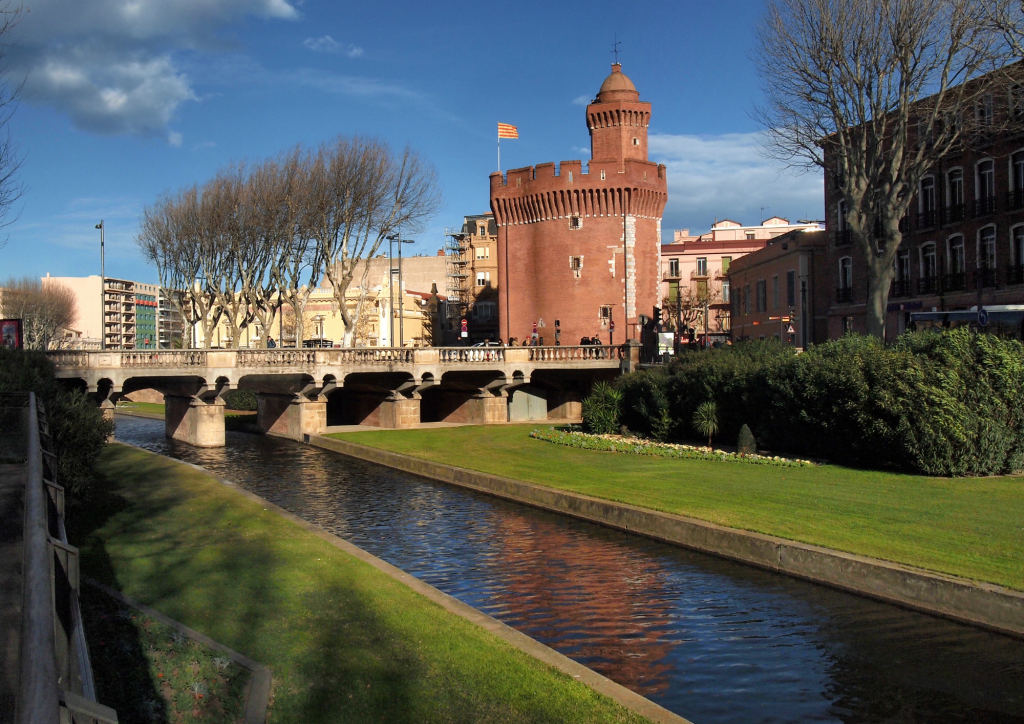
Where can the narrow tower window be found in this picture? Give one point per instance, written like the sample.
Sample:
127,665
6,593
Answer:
575,222
576,265
602,174
636,141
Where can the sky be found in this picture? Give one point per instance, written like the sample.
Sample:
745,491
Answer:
123,100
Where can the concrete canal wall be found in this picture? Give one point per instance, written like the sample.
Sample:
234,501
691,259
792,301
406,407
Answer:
980,604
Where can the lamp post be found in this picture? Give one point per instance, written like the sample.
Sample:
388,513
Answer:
103,293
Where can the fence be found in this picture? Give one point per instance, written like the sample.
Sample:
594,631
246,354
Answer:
55,676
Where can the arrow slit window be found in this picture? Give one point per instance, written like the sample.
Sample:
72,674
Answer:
576,265
606,315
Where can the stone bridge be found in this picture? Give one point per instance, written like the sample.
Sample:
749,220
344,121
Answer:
300,391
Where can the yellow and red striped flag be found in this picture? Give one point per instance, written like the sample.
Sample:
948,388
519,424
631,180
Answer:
507,131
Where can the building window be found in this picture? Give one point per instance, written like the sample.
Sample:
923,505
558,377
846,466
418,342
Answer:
846,273
957,263
673,292
483,278
483,252
570,177
986,180
636,141
775,292
954,122
519,180
576,265
926,199
1017,242
602,174
482,231
484,310
1016,97
750,235
606,315
841,214
746,299
673,268
791,288
929,265
984,112
903,267
575,222
987,247
726,263
1017,171
725,291
762,295
702,266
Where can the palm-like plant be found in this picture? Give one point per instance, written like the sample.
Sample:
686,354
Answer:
705,419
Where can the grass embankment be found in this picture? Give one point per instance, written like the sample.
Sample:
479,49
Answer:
970,527
345,642
149,672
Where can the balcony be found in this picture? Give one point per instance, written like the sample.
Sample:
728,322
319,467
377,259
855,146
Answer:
955,282
928,285
985,206
844,295
1015,274
844,237
901,288
927,219
985,278
953,213
1015,200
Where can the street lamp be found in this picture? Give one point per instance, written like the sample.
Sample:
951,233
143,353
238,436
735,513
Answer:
103,294
392,240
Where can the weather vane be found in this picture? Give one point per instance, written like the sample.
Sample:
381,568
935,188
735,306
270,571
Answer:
615,48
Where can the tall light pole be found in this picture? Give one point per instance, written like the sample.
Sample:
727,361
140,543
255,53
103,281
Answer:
392,238
103,293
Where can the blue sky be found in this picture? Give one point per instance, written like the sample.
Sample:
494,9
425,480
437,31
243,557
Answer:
124,99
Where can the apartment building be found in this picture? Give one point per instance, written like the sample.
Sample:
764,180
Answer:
472,279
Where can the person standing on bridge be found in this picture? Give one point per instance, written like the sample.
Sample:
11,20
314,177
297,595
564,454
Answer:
271,344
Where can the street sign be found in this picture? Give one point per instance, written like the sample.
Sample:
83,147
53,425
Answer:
982,317
791,330
465,329
611,325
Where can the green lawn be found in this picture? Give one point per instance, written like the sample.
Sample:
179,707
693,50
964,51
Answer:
970,527
158,408
346,643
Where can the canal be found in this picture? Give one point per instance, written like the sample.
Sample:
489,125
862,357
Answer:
714,641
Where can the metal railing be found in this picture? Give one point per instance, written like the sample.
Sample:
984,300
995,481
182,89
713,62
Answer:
55,679
985,278
953,212
844,295
1015,274
844,237
928,285
955,282
901,288
985,206
1015,199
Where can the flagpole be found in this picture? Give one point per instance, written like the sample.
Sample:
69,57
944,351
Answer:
499,154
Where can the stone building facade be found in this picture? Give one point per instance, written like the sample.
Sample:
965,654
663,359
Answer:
582,246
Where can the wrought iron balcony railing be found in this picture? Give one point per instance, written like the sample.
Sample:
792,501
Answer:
844,295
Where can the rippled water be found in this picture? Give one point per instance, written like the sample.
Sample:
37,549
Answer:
709,639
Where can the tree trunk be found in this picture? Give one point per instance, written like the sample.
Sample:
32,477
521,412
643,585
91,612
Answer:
880,273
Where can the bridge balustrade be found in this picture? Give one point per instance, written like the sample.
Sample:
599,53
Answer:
368,355
275,357
169,358
471,354
573,354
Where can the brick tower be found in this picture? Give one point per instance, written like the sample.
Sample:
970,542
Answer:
582,246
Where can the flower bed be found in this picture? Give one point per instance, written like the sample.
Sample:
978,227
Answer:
638,446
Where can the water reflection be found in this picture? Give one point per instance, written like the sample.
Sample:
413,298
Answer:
712,640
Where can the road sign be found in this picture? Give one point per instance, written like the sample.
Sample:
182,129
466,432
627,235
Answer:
982,317
611,325
464,326
791,330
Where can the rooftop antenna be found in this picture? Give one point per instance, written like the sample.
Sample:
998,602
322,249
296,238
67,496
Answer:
615,48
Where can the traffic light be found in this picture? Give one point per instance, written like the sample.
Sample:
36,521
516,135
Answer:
657,317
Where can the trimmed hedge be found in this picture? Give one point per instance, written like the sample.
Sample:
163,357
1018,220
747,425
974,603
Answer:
939,403
77,426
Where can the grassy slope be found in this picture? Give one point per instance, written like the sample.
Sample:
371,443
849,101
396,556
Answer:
345,642
971,527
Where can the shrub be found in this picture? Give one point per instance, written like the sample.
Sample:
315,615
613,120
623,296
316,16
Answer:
745,443
705,419
940,403
241,400
77,426
601,410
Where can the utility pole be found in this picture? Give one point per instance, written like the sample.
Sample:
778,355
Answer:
103,283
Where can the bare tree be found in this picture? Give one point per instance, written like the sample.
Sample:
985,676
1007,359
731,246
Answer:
361,193
692,302
875,92
10,160
45,310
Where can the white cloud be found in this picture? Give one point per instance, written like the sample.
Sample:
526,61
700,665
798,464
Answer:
204,144
174,138
581,101
327,44
725,176
581,149
110,64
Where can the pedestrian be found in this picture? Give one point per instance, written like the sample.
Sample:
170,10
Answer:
271,344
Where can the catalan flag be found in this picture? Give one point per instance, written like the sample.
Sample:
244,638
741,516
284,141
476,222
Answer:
507,131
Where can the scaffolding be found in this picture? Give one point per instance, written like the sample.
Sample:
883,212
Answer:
457,269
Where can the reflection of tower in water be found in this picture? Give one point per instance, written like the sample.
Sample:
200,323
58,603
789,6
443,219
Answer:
579,603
